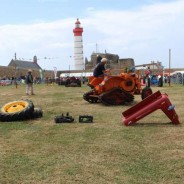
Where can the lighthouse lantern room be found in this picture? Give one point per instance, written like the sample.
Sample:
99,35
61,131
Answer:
78,46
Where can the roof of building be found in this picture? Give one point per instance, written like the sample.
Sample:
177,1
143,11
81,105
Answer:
24,64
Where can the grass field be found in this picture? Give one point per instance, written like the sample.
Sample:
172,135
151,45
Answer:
104,152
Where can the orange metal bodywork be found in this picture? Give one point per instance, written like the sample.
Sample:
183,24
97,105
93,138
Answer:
94,81
129,82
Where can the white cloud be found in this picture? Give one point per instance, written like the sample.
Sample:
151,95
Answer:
148,32
144,34
42,39
90,9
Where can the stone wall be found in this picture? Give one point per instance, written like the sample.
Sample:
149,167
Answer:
113,61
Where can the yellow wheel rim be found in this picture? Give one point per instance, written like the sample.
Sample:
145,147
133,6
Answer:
13,107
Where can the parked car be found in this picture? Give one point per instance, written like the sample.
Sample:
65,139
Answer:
5,82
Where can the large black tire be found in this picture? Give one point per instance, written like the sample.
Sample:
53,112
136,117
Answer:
17,110
147,91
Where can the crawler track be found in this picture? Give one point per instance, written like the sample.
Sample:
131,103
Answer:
116,96
90,97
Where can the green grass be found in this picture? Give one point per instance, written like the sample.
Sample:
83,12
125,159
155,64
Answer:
106,151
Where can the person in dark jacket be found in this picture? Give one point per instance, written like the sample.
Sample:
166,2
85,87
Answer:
29,83
99,70
98,59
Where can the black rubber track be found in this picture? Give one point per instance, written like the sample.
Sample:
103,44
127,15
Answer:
88,96
116,96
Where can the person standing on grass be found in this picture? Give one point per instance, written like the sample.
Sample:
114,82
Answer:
29,83
148,74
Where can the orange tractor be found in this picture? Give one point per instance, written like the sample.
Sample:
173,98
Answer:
116,90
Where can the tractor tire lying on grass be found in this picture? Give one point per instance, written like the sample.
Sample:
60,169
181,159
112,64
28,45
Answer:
19,110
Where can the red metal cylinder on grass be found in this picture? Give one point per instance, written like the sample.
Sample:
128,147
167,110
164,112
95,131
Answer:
148,105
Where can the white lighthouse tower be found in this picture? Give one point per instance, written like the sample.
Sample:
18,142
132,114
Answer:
78,46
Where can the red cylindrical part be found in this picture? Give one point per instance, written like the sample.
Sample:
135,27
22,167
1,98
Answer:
147,106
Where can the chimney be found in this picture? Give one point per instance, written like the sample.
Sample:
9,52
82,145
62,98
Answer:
35,59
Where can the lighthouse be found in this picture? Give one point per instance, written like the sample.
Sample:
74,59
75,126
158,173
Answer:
78,46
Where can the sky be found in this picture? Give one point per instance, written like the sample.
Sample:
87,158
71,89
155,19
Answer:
144,30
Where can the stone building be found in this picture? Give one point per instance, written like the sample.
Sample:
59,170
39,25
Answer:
20,64
114,62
